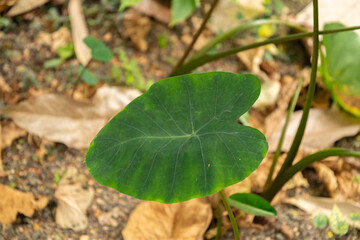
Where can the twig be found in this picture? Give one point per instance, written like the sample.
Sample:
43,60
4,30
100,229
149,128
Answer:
197,34
79,77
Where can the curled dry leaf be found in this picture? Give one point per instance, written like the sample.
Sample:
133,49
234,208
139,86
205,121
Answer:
10,132
74,197
137,27
154,9
23,6
317,205
327,176
324,127
186,220
59,118
79,31
56,39
13,202
346,12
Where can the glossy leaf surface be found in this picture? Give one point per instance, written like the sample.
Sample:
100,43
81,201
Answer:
99,51
180,140
252,204
340,67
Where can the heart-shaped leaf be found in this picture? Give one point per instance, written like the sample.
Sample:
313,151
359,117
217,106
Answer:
99,51
252,204
340,67
180,140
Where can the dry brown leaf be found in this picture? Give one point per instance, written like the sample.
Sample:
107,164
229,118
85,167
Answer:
74,196
327,176
4,87
79,31
346,12
154,9
259,176
13,202
2,172
59,118
316,205
348,187
324,127
186,220
137,27
268,95
23,6
56,39
10,132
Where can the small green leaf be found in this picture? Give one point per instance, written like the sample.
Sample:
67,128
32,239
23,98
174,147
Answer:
337,222
66,51
87,76
52,63
252,204
355,216
179,140
181,9
99,51
127,3
320,221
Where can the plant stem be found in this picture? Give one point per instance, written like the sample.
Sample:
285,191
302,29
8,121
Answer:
243,27
196,36
231,215
191,65
79,77
280,180
287,120
219,221
309,96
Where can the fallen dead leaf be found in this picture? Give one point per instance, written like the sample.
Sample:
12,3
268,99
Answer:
79,31
13,202
186,220
268,95
346,12
154,9
10,132
259,176
59,118
74,196
5,4
324,127
23,6
4,87
327,176
316,205
137,27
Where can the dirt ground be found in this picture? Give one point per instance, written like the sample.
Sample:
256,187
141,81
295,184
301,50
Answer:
109,211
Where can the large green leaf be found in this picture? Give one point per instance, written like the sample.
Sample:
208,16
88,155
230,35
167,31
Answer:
252,204
99,51
340,67
180,140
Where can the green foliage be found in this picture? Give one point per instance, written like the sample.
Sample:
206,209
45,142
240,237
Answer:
180,140
338,224
87,76
320,221
99,51
64,53
181,9
53,63
340,67
131,72
355,216
252,204
127,3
